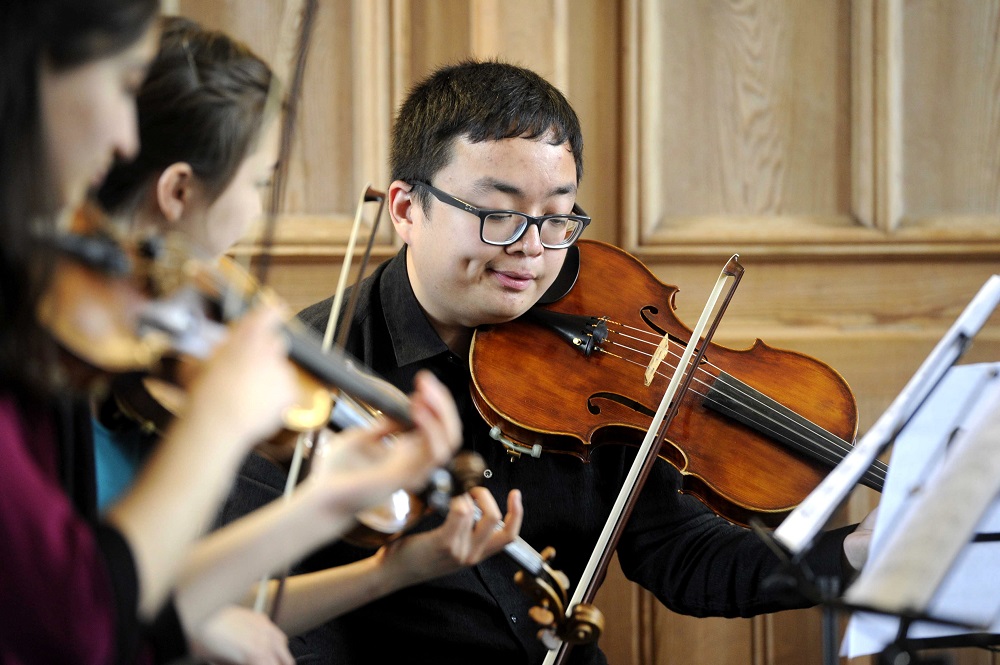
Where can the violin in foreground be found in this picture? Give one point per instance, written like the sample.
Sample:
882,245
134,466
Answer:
121,308
126,313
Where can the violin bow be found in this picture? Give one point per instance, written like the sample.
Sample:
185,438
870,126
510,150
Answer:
545,585
333,322
597,565
307,19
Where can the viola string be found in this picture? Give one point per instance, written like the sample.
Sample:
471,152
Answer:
837,447
830,447
832,453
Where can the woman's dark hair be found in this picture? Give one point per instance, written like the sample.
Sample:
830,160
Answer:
483,101
203,103
61,34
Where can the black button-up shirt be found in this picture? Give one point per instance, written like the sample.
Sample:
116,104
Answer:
694,561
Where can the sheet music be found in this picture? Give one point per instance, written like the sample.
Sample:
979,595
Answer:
970,592
800,528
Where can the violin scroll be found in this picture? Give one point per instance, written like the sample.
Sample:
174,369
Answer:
550,590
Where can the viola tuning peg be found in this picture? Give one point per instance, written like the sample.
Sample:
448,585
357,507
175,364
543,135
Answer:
561,579
527,583
581,634
549,639
542,616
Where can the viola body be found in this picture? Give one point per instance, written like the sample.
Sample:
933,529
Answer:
737,437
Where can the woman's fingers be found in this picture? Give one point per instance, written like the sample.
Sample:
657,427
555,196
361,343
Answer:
248,380
236,635
435,413
491,533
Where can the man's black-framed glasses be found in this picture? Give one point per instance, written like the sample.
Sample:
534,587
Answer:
505,227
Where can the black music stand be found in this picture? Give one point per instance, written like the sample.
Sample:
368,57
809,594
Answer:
967,593
971,392
793,539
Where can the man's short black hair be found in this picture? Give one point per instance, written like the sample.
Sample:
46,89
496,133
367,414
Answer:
482,101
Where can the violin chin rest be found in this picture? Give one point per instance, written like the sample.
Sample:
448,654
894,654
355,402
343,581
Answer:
565,279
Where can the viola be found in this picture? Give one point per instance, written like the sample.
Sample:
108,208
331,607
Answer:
754,434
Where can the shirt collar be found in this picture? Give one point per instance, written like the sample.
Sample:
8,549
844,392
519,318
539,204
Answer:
413,337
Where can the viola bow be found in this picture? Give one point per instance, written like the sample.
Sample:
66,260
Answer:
307,20
600,558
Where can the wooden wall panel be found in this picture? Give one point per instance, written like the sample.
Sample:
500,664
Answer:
681,639
746,107
811,127
848,151
592,82
566,42
417,20
345,112
951,95
743,117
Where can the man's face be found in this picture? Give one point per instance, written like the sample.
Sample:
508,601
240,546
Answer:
460,281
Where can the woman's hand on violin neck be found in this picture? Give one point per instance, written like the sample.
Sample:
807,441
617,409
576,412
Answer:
248,381
437,425
357,468
459,542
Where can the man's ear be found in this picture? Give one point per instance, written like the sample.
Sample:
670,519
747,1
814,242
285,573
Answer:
403,205
174,189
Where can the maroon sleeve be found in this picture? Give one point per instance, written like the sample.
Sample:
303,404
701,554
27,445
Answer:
69,594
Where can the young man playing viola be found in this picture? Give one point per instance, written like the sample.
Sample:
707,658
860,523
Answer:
471,139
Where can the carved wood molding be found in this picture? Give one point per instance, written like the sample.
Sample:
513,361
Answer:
760,109
318,235
835,237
